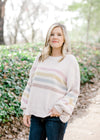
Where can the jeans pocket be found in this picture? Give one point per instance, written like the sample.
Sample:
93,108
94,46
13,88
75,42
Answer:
57,119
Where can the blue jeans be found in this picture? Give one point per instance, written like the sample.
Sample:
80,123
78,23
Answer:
50,127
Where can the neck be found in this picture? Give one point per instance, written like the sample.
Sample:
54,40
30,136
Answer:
56,52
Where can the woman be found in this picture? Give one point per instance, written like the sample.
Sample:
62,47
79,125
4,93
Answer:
52,89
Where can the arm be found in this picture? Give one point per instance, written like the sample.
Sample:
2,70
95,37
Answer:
25,96
67,103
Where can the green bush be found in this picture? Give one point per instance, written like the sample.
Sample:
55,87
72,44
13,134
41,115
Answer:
9,107
86,74
15,64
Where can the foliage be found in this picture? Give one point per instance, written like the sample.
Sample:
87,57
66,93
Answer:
88,58
15,63
9,106
87,19
86,74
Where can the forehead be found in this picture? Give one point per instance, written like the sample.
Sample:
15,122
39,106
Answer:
57,29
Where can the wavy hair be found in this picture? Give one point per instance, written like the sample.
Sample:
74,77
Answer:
47,50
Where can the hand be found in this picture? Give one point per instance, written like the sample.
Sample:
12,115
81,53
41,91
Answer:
26,120
54,113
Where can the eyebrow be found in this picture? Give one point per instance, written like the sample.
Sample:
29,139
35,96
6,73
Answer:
57,32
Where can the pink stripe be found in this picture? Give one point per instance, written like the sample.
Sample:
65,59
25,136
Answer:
55,71
34,68
68,106
29,83
48,87
25,101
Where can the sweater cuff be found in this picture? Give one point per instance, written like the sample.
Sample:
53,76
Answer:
58,108
25,112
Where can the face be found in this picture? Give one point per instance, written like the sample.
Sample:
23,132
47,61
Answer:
56,38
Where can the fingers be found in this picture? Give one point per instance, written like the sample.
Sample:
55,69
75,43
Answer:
54,113
29,121
26,120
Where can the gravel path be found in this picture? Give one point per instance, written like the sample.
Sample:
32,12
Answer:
86,126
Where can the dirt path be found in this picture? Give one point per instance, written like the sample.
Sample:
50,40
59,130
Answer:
87,125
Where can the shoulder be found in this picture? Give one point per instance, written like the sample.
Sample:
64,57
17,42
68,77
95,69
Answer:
36,60
72,61
70,58
37,57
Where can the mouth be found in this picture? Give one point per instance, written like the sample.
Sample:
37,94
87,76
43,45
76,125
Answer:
55,41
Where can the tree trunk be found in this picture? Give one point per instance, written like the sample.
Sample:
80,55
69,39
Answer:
2,10
88,22
1,30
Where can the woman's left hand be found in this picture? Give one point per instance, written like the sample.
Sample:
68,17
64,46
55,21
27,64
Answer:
54,113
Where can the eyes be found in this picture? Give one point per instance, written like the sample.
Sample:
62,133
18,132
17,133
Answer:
58,34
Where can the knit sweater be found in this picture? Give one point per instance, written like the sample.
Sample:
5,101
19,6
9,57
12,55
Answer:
52,84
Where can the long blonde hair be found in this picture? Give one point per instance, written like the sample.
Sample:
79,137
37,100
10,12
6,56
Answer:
47,48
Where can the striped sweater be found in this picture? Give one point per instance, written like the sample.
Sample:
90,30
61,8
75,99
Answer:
52,84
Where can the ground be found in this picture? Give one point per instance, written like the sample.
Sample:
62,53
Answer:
87,125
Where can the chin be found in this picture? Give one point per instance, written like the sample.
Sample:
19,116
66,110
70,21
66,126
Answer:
55,47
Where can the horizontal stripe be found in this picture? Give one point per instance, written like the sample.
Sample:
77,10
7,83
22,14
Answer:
50,82
47,87
70,94
26,94
24,100
28,83
33,69
51,75
69,107
59,72
71,101
27,88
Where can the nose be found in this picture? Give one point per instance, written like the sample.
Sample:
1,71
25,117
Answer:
55,36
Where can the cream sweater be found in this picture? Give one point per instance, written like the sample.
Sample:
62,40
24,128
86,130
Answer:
52,84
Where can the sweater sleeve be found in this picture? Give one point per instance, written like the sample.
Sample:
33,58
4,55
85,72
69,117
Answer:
25,95
66,104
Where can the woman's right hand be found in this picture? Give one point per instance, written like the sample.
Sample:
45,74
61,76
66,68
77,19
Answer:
26,120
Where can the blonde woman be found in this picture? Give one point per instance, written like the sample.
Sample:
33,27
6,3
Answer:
52,89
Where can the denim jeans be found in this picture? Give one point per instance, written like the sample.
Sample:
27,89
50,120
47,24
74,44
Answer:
50,127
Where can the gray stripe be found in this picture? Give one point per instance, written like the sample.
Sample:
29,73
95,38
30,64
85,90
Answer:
27,88
49,81
71,95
